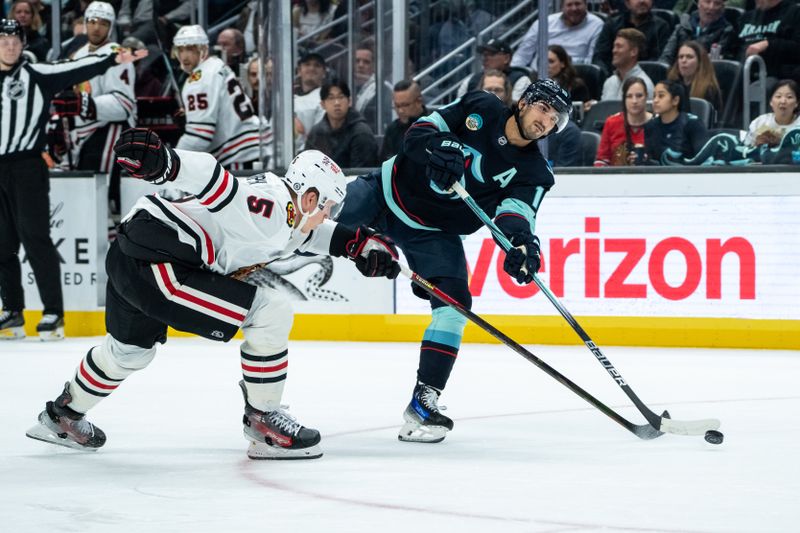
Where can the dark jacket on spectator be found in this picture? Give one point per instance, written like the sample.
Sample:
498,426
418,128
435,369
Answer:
37,44
654,28
393,138
564,149
351,146
721,32
686,134
780,26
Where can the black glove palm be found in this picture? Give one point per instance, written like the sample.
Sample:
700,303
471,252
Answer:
141,152
523,260
375,255
446,161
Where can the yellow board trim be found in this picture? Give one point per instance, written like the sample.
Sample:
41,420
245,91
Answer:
609,331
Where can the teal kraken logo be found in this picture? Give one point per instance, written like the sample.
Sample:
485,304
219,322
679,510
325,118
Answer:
474,122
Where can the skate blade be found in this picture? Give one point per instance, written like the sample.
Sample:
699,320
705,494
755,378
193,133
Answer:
44,434
262,450
49,336
415,432
10,334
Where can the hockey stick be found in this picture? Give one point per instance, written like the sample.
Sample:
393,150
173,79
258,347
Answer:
661,423
644,431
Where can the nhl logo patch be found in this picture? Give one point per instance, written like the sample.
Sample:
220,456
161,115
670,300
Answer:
15,90
196,75
502,141
290,214
474,122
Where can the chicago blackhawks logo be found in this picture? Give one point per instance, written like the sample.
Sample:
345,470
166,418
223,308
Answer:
290,214
196,75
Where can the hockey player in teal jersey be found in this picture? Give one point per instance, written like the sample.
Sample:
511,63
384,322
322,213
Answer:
492,151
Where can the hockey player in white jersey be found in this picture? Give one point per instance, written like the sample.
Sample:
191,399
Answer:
220,118
176,264
103,106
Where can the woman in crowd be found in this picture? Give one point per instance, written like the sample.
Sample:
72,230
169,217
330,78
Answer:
23,12
310,15
693,69
673,128
623,132
496,82
770,128
559,68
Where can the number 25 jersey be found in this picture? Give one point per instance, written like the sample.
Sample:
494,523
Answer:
220,119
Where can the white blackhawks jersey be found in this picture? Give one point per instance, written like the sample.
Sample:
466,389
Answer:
114,100
233,222
220,118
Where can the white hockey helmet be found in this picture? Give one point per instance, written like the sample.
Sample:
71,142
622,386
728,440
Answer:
192,35
100,10
312,169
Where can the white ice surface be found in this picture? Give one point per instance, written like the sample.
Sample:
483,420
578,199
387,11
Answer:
526,454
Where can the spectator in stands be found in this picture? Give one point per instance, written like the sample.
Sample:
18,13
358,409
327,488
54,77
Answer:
307,109
231,41
497,83
574,28
496,54
770,128
673,128
641,18
78,39
624,131
625,59
407,103
707,26
772,138
308,16
137,18
28,17
343,134
694,70
559,68
365,83
772,31
565,148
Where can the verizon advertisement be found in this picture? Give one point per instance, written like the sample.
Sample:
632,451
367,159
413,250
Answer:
79,230
733,257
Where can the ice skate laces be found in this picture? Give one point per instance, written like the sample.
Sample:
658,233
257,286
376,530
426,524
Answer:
284,422
429,398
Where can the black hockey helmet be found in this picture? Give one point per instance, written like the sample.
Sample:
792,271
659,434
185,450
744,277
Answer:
12,27
551,93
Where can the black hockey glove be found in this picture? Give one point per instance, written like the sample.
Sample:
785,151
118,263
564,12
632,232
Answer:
523,260
69,104
141,152
375,255
445,162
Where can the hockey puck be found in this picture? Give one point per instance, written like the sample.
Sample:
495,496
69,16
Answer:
714,437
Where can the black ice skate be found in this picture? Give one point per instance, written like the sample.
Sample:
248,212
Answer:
51,327
58,424
12,325
424,421
277,435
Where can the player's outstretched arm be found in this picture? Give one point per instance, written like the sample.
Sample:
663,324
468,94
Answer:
126,55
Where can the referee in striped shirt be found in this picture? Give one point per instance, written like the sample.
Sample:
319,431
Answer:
25,93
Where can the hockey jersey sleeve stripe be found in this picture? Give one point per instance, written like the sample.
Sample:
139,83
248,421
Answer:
199,136
212,182
123,99
435,119
224,192
195,299
228,198
203,243
252,139
205,129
